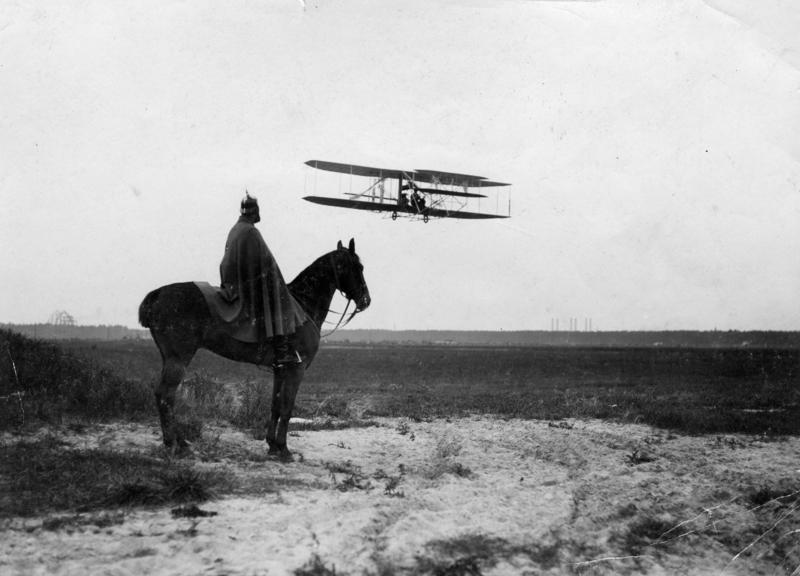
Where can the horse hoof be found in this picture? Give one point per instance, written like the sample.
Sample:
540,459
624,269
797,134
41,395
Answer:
184,452
180,449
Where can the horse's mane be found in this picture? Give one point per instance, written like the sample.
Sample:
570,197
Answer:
305,284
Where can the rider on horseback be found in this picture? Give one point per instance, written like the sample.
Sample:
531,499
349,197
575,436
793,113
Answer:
251,279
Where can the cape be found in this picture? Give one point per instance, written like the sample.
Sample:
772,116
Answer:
258,304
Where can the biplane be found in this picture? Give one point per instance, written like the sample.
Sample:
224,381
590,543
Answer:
417,194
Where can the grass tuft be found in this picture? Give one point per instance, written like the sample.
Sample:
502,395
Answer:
44,475
780,494
315,566
645,531
351,476
191,511
470,554
443,459
74,521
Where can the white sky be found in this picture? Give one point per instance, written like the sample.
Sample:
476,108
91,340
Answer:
653,147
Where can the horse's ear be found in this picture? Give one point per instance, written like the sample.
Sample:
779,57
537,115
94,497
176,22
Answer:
352,246
339,245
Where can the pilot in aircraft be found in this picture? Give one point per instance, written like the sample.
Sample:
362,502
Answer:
418,201
402,201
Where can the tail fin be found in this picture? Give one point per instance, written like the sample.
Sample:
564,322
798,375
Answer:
145,309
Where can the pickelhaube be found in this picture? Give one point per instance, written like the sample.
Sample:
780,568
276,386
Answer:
249,204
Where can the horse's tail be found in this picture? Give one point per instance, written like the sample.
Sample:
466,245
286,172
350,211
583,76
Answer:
146,308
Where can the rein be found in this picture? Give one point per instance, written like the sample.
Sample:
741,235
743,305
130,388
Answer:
349,301
339,323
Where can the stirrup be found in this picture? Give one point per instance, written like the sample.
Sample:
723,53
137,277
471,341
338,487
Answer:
295,360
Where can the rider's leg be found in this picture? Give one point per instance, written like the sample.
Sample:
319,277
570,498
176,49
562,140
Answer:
285,354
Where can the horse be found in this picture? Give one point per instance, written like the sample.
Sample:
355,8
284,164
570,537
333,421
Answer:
180,323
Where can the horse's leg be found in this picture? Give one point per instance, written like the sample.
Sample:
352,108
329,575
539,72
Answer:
171,376
275,412
176,353
291,377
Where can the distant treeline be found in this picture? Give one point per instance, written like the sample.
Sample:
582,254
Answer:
667,339
66,332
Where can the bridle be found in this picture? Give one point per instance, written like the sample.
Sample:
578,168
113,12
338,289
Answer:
347,306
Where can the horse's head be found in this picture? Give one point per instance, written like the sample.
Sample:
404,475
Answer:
349,275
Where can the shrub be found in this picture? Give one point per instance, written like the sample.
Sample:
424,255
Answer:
443,460
253,409
41,381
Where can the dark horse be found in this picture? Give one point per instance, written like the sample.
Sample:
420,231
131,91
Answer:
180,322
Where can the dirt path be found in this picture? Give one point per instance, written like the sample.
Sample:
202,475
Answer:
468,496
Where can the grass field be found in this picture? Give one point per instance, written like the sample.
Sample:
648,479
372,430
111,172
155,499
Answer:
690,390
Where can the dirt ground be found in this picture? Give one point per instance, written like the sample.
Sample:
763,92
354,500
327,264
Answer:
468,496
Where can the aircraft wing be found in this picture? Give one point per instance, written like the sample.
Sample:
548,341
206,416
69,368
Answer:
453,179
427,176
487,183
354,204
384,207
357,170
442,192
460,214
448,178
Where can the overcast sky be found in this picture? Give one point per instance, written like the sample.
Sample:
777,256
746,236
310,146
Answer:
652,146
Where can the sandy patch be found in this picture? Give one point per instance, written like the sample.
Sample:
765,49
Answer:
472,496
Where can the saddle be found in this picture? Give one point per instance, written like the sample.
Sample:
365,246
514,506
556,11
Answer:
227,314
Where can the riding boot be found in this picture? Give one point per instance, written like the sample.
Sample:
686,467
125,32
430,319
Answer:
285,354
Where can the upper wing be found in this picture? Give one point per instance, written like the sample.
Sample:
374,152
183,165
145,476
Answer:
454,179
428,176
487,183
357,170
447,178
